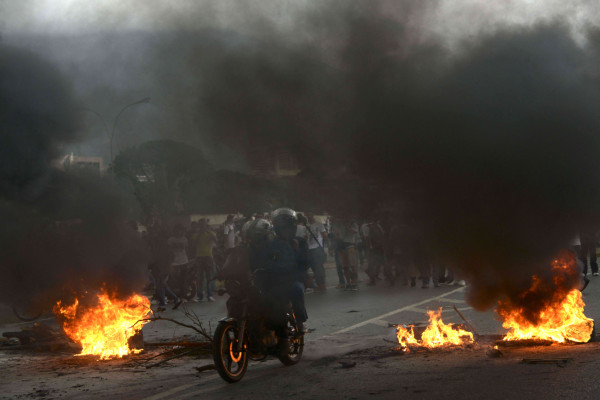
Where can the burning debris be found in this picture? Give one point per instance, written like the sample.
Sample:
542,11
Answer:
437,334
550,309
105,325
41,337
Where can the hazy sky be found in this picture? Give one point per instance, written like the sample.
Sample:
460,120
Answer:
452,19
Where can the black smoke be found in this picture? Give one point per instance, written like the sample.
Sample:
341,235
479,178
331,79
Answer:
61,231
492,150
489,148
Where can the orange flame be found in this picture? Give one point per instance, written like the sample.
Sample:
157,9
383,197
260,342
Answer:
437,334
561,318
558,322
104,329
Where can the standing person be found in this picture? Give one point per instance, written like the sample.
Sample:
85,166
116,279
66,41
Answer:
401,263
335,245
178,244
302,233
588,249
317,237
205,241
360,244
374,237
190,234
346,232
229,233
161,266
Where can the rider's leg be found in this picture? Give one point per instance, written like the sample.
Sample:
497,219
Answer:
297,298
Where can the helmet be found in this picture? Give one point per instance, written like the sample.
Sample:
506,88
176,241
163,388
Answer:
284,221
256,229
284,216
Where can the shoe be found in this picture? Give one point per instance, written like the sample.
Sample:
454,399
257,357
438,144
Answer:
210,299
595,274
177,304
302,327
586,280
341,286
461,283
309,290
354,287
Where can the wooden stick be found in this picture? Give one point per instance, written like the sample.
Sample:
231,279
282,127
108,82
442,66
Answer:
170,358
545,360
466,320
183,343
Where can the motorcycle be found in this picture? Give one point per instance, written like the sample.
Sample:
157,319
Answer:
246,335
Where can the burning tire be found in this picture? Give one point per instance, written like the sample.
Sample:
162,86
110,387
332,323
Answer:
230,364
26,313
296,345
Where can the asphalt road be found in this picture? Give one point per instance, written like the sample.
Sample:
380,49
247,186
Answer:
352,327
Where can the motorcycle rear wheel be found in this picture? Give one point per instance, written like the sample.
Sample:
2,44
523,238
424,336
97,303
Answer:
231,365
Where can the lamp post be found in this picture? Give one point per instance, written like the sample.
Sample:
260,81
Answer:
145,100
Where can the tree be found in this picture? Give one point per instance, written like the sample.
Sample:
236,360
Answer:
163,174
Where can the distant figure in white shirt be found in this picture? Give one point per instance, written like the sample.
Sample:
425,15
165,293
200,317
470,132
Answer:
229,233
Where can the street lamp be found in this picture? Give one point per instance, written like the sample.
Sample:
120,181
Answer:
112,133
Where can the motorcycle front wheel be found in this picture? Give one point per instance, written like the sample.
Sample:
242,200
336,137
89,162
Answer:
296,348
230,364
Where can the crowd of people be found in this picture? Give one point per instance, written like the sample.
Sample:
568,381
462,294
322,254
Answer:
185,261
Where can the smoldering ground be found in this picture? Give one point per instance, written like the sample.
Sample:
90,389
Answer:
60,231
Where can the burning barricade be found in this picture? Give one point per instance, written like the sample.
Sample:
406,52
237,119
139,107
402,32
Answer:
104,325
437,334
550,310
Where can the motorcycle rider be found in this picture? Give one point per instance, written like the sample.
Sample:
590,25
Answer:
282,260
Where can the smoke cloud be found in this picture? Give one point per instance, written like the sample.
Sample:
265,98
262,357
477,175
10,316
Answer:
60,231
491,151
483,141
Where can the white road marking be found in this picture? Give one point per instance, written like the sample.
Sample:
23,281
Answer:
380,317
453,300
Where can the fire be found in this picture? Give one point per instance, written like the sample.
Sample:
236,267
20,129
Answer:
559,313
561,322
103,328
437,334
